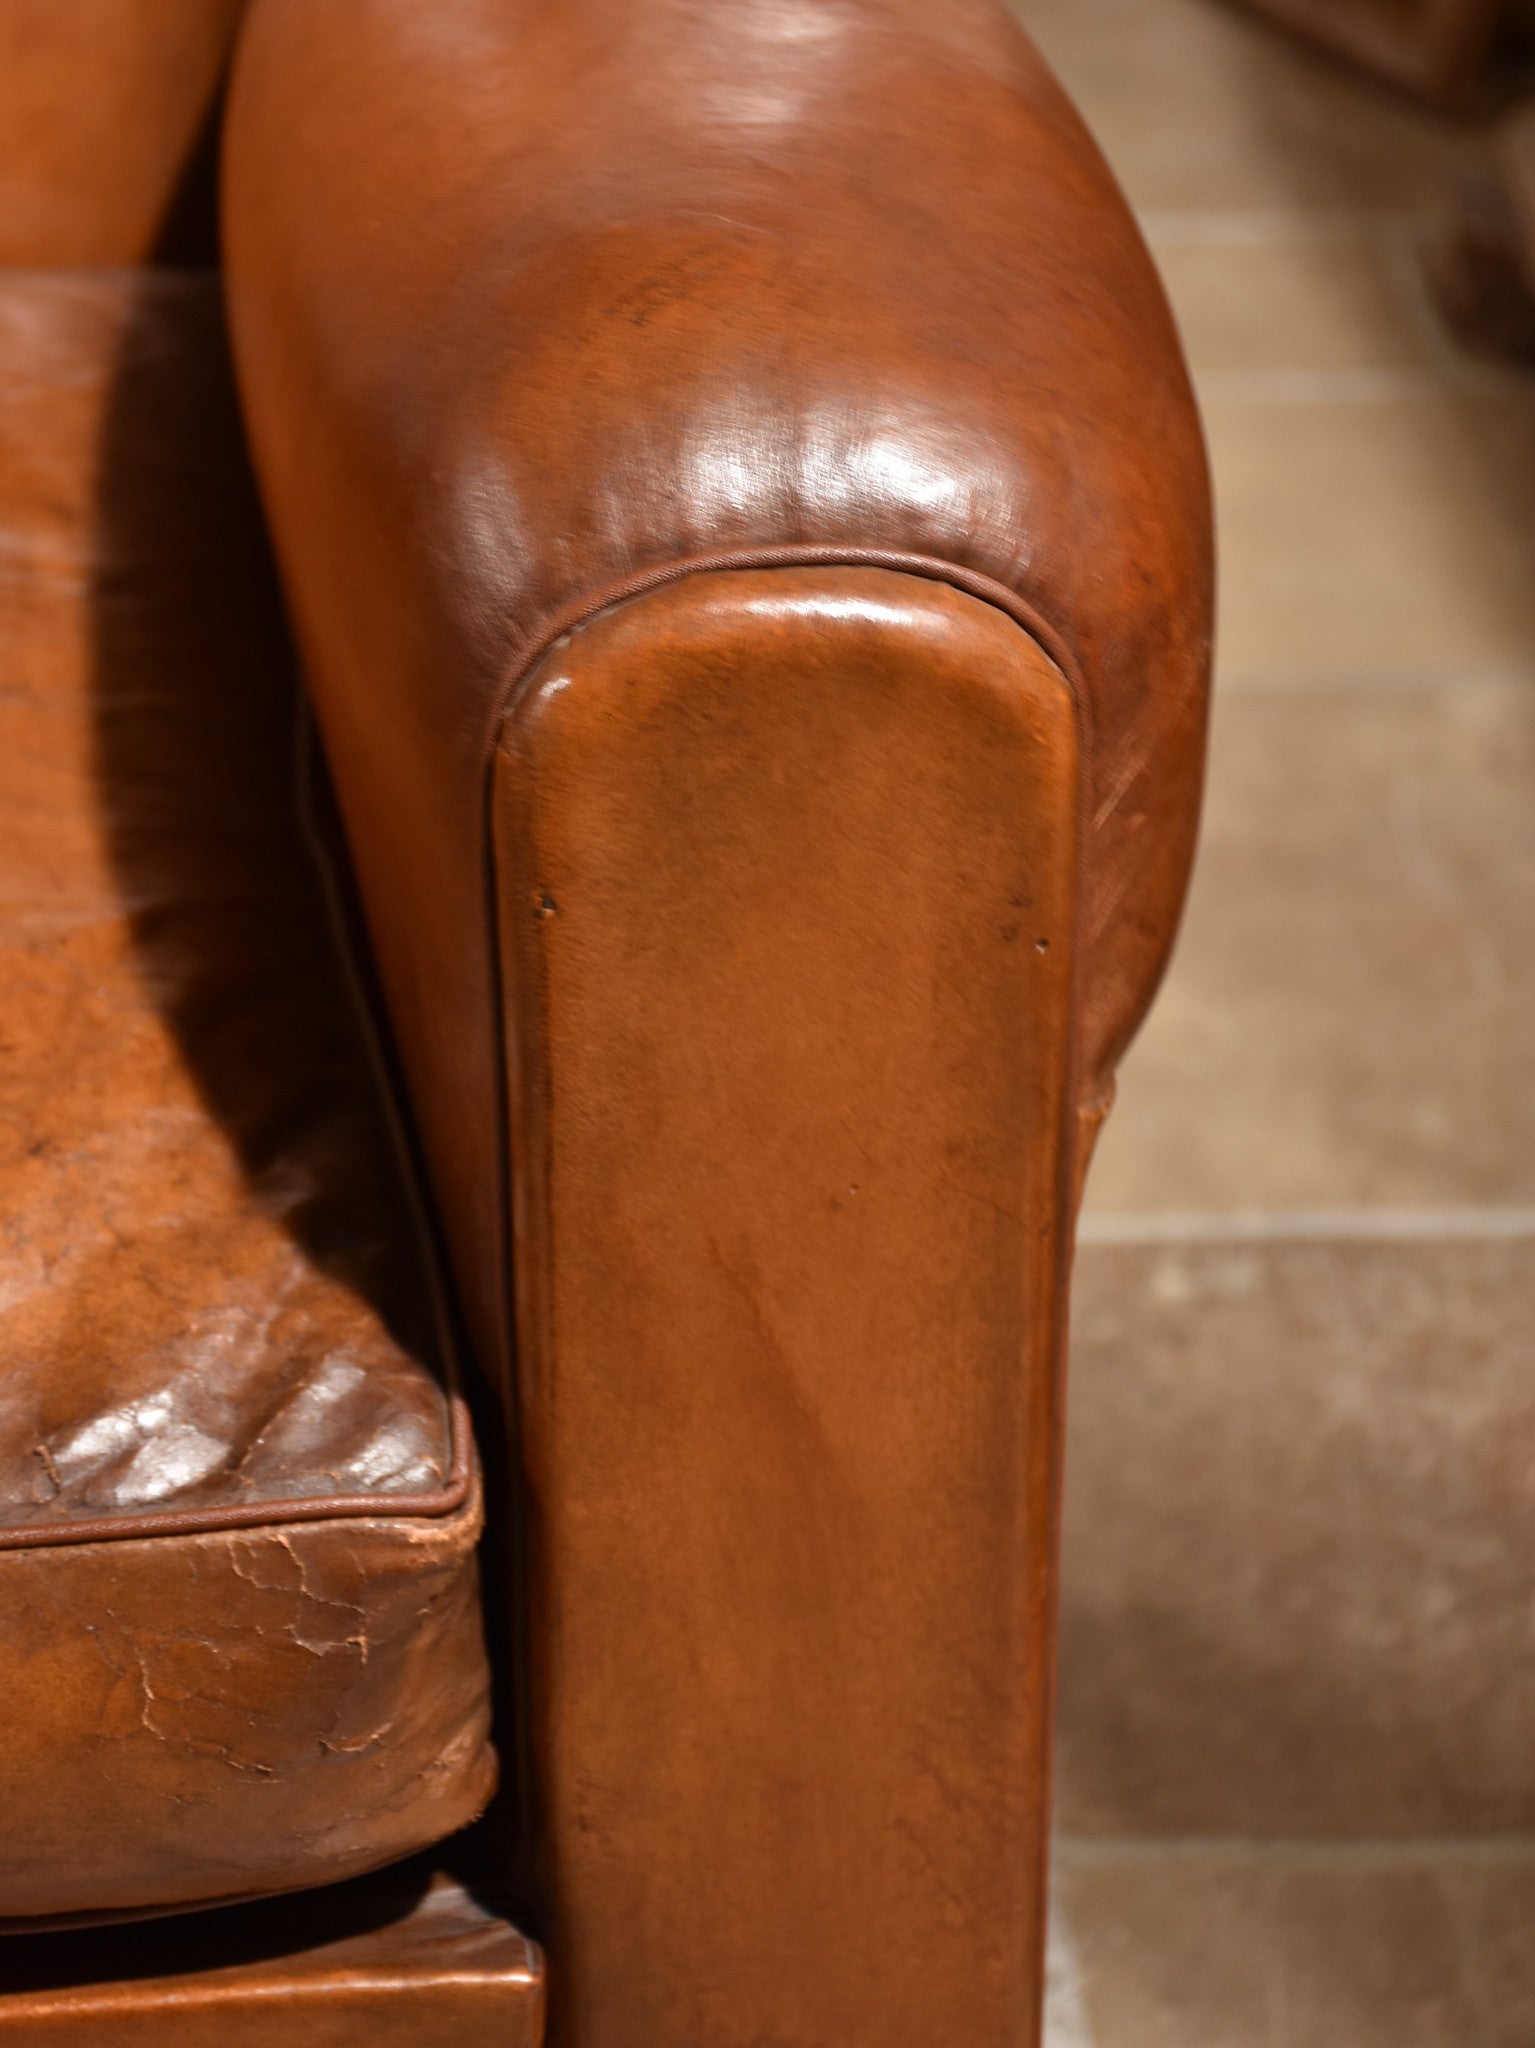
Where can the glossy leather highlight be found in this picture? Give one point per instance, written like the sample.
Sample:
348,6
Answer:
848,281
673,422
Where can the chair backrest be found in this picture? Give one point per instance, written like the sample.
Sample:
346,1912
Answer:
107,109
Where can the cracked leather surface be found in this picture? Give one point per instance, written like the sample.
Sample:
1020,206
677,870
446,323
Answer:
199,1717
214,1322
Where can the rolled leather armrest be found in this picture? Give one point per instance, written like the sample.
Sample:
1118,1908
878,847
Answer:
747,530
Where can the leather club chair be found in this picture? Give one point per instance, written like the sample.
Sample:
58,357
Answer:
740,512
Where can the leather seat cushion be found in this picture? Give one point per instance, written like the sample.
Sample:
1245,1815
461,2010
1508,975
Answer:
238,1504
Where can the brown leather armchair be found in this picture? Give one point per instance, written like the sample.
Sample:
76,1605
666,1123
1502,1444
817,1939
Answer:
742,518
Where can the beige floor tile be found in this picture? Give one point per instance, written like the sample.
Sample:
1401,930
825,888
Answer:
1299,1587
1299,1565
1290,296
1350,1015
1169,1958
1229,1950
1199,105
1395,532
1496,1915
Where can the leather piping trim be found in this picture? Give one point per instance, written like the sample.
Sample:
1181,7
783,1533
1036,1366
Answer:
579,610
263,1514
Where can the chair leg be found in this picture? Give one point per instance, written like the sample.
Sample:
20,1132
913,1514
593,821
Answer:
406,1959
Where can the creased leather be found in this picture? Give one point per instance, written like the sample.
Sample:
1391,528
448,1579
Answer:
218,1340
202,1255
533,301
210,1716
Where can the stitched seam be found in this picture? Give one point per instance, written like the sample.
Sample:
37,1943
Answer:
266,1514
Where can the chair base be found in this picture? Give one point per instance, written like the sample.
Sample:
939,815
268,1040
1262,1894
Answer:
406,1959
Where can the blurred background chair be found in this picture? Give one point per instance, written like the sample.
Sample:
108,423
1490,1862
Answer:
1432,47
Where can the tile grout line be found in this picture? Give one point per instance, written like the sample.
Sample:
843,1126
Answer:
1498,1225
1357,387
1362,1853
1516,676
1176,227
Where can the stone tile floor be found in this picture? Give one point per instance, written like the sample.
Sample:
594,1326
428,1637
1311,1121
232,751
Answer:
1296,1784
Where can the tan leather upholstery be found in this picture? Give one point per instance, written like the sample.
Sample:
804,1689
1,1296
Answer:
104,106
747,531
404,1960
238,1510
786,879
848,281
741,505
